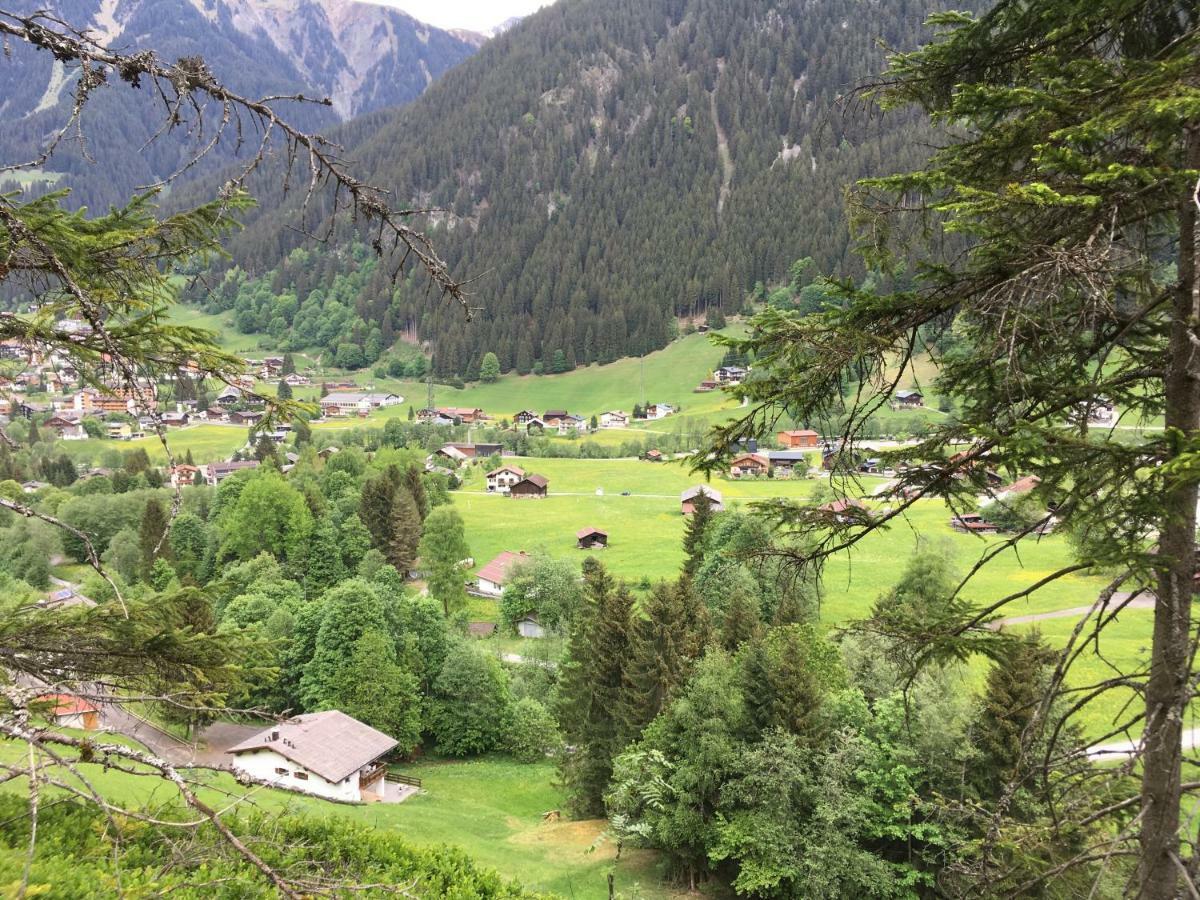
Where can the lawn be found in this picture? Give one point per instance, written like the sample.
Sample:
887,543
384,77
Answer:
491,808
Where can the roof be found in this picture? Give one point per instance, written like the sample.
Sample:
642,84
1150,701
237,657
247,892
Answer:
585,532
497,570
801,432
555,414
692,492
481,629
752,457
845,503
787,455
331,744
902,395
515,469
539,480
1022,485
67,704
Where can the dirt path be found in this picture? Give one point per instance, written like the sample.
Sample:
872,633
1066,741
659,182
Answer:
1143,602
722,149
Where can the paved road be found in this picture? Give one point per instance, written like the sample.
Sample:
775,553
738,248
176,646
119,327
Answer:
1191,738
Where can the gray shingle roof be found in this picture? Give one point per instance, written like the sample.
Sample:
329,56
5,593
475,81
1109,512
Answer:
331,744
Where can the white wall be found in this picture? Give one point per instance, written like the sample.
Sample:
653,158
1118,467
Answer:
261,764
490,587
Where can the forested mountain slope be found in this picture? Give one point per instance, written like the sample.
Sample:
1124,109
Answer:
361,56
609,165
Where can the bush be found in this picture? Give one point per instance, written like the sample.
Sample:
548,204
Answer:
530,731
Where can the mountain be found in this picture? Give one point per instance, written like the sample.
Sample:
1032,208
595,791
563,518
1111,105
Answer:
361,56
606,169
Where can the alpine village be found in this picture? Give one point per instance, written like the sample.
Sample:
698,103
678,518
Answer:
599,449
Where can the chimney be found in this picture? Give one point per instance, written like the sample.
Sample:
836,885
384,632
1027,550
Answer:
274,736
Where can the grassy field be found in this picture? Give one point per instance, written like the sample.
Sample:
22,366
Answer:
208,443
646,533
665,376
491,808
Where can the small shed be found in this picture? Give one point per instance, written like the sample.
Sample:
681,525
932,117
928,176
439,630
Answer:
591,539
530,627
531,486
687,499
481,629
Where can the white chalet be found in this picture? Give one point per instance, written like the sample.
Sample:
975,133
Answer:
500,480
329,754
659,410
614,419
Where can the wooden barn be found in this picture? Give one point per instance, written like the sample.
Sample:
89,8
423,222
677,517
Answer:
531,486
591,539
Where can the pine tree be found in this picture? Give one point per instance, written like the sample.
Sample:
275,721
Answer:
289,365
1015,686
742,623
284,391
187,458
659,658
264,450
694,533
150,532
375,506
589,688
405,532
414,483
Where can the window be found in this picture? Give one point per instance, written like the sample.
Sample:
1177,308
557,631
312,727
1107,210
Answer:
284,772
302,776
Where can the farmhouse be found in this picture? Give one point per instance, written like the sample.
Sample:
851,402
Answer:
687,500
175,419
553,416
66,427
785,462
748,464
654,456
843,509
908,400
329,754
215,473
69,711
524,417
182,473
730,374
478,451
249,417
490,580
500,480
801,439
535,486
229,396
1100,412
351,403
536,424
1019,487
614,419
659,410
591,539
120,431
465,415
433,417
451,454
973,523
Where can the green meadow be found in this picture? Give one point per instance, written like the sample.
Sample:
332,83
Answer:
490,807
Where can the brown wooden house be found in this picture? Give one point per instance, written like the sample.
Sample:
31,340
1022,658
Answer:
531,486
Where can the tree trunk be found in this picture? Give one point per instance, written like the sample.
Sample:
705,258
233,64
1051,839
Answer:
1167,690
